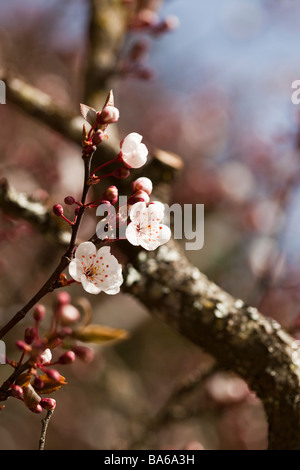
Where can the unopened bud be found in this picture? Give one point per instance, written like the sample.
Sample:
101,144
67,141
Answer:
69,200
58,210
16,391
67,358
109,115
98,137
39,312
84,353
38,383
37,409
63,298
121,173
29,335
111,194
68,314
48,403
53,374
142,184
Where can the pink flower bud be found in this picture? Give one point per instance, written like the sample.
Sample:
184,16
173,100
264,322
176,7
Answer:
48,403
139,196
68,314
58,210
53,374
39,312
109,115
111,194
121,173
37,409
98,137
63,298
23,346
17,391
142,184
67,358
84,353
29,335
69,200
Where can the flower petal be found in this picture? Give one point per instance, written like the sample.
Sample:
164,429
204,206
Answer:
137,210
156,211
130,142
132,234
76,269
85,249
164,234
89,286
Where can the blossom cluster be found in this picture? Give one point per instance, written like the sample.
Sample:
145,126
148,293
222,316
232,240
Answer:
98,270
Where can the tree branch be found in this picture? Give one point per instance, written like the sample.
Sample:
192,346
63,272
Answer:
45,422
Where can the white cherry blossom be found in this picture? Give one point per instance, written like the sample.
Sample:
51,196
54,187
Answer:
96,270
133,152
145,228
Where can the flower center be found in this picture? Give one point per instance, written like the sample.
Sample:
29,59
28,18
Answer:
91,271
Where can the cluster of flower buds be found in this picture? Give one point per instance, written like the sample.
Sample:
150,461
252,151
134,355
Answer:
147,21
40,377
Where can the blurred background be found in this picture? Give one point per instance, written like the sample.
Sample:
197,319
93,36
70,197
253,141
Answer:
216,91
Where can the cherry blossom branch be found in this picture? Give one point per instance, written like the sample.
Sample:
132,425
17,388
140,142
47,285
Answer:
45,422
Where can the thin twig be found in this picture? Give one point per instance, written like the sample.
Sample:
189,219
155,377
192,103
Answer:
45,422
51,282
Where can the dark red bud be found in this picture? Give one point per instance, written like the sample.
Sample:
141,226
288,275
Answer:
48,403
38,383
69,200
29,335
58,210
